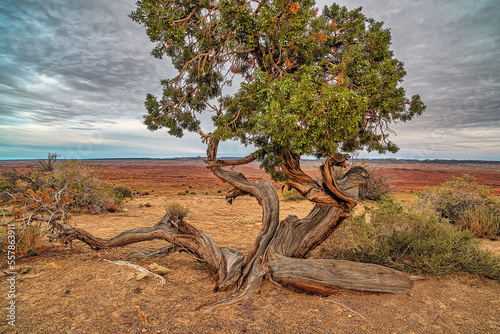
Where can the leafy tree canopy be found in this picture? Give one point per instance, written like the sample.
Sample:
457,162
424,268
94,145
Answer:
312,83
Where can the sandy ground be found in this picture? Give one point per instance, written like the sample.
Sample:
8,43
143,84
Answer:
76,291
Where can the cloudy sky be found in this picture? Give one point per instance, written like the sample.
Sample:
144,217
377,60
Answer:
74,75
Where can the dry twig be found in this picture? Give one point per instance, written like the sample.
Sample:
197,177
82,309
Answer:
342,305
137,267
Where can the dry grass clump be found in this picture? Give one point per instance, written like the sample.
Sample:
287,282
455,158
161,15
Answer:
483,221
30,240
122,192
177,210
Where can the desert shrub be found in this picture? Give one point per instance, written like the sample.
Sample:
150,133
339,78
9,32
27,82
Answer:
4,185
122,191
70,176
455,196
181,193
464,202
291,195
483,221
177,210
88,189
34,214
416,240
376,186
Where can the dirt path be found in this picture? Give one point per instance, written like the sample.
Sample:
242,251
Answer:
75,291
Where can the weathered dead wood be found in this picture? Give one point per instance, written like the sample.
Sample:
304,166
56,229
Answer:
279,249
223,263
137,267
157,253
329,192
324,277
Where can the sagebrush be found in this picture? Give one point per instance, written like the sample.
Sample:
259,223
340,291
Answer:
466,203
415,240
80,180
177,210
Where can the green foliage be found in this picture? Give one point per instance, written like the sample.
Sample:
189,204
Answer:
314,83
465,202
181,193
177,210
415,240
122,191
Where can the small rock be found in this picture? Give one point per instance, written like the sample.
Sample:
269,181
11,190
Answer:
160,270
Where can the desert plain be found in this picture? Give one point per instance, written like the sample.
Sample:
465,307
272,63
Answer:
75,290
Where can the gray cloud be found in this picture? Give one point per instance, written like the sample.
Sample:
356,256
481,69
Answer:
82,67
74,59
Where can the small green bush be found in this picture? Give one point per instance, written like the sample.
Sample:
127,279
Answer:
466,203
177,210
181,193
415,240
456,196
122,191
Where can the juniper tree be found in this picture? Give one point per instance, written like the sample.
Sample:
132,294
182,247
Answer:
310,83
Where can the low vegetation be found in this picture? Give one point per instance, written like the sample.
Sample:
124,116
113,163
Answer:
291,195
38,202
80,180
417,240
177,210
31,216
483,221
466,204
122,192
376,186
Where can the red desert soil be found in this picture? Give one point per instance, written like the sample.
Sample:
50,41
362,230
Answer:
67,290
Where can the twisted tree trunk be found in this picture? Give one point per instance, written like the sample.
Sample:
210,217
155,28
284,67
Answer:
278,252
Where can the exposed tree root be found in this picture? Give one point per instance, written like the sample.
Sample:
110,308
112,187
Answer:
279,249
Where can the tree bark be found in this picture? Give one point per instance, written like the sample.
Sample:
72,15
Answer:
278,252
